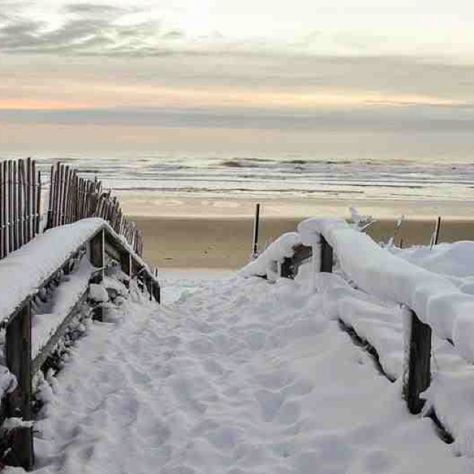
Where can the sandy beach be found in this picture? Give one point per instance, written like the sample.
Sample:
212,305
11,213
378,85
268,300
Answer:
219,242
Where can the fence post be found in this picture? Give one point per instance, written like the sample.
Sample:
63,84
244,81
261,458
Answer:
126,263
418,373
157,292
97,259
286,268
18,359
255,231
326,256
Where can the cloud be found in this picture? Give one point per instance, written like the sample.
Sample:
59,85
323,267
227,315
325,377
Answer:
408,118
86,29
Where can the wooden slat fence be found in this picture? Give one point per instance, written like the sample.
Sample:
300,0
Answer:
20,201
73,198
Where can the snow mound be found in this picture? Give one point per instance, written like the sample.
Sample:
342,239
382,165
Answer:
240,377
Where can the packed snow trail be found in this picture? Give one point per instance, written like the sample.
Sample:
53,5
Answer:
239,377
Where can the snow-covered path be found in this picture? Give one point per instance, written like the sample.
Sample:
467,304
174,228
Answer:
238,377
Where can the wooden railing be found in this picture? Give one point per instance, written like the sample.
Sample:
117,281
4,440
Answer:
103,245
417,371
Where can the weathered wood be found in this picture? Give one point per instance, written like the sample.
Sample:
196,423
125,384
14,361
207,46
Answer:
11,245
3,226
97,258
256,226
156,292
286,268
126,263
326,256
18,359
417,373
97,250
289,267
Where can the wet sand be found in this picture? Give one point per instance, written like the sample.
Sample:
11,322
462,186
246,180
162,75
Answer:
219,242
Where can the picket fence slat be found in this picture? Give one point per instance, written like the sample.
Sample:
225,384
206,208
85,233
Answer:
20,194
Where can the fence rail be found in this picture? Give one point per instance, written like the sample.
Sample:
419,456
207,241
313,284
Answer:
417,370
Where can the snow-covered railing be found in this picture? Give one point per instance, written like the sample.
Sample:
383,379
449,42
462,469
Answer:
24,274
433,302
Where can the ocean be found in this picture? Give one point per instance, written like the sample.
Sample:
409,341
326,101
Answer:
253,178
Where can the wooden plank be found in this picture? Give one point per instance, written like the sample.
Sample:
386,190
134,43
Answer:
2,214
49,222
418,372
11,244
18,359
30,178
21,202
6,236
38,201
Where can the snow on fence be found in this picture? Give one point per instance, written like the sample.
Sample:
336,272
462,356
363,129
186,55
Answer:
29,341
434,303
20,196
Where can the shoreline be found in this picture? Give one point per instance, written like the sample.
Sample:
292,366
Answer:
158,205
224,243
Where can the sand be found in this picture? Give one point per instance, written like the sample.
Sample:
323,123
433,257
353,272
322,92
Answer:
219,242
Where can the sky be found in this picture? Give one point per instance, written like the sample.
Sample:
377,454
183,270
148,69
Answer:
313,78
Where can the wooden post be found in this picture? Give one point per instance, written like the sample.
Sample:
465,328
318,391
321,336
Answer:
437,231
286,268
126,263
97,259
326,256
418,374
256,225
97,250
157,292
18,359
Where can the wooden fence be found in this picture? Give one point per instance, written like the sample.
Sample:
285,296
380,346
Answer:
104,247
72,198
417,370
20,200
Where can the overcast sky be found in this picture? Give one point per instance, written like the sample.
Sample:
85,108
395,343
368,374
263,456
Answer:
344,78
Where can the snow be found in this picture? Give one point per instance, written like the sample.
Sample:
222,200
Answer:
66,295
22,271
237,377
42,257
267,262
435,299
98,293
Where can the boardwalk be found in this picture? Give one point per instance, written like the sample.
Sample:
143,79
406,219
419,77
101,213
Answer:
239,377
